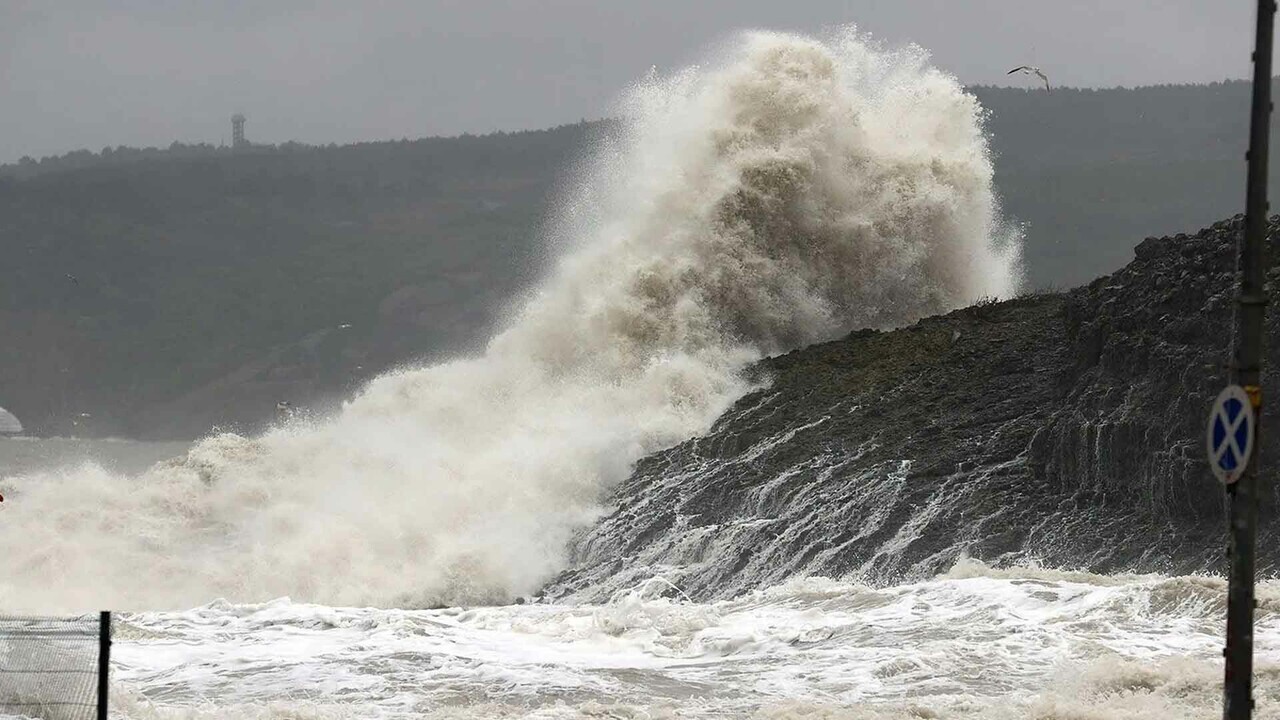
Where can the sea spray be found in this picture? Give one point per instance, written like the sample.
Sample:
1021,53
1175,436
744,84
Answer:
786,191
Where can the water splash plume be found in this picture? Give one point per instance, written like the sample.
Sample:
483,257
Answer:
786,191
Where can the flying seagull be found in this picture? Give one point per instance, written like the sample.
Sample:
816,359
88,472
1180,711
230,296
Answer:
1029,70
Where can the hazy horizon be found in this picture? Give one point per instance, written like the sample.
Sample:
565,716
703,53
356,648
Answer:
226,141
142,73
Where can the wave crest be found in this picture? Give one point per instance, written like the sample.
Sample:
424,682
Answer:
785,192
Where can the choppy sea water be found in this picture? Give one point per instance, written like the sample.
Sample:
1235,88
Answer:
26,455
976,643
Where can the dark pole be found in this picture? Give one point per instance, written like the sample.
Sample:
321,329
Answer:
104,661
1247,371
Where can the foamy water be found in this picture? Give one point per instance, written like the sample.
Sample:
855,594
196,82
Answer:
785,192
976,643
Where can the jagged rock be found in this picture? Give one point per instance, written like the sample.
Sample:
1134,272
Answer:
1063,428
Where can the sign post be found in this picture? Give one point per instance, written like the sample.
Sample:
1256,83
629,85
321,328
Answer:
1246,372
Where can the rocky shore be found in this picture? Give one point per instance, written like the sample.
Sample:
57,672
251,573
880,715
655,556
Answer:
1059,428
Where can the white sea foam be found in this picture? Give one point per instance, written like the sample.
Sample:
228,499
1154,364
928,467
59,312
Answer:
786,191
990,645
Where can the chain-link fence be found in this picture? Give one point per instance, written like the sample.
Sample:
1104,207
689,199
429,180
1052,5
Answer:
54,668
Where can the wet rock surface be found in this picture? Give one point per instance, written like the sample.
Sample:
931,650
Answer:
1062,428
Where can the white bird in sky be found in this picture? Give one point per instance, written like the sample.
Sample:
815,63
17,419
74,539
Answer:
1030,70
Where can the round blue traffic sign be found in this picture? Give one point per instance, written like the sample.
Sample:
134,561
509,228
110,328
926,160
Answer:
1229,436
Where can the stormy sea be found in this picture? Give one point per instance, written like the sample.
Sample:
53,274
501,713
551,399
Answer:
778,436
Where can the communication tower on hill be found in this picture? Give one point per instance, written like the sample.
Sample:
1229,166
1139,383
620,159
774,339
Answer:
237,132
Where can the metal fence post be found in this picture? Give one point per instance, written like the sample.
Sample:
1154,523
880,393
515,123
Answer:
104,661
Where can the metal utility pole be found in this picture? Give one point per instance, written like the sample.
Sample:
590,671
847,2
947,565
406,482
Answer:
1243,494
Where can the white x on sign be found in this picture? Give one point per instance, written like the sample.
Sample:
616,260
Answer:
1229,436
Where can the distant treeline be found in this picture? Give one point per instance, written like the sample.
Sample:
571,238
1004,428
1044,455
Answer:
136,278
160,290
28,167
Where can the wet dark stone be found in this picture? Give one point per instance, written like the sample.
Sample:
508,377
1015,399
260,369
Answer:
1065,428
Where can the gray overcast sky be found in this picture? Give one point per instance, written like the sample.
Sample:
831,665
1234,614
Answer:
89,73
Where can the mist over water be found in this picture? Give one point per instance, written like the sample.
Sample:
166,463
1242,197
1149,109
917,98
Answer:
785,192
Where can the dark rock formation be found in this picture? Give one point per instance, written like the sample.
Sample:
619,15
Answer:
1061,428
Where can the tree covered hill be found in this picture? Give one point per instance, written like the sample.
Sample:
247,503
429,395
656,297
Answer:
163,291
128,284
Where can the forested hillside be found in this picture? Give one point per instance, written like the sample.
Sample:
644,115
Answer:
163,291
128,285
